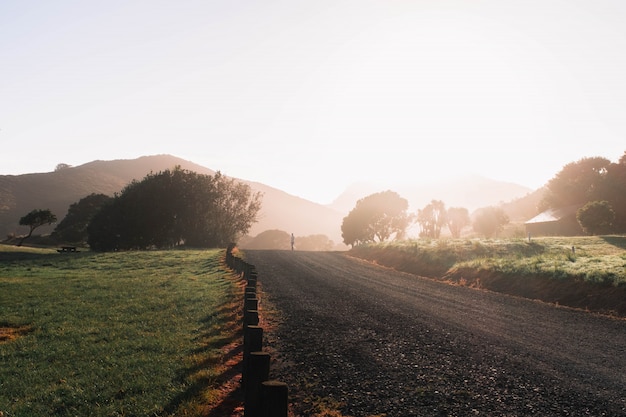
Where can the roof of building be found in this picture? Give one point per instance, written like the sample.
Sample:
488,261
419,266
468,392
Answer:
554,215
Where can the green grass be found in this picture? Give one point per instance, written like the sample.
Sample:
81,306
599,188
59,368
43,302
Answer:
594,260
115,334
590,277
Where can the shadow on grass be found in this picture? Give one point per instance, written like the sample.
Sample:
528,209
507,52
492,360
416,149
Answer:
226,385
17,255
217,373
617,241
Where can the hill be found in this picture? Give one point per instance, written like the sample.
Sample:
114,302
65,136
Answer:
471,192
56,190
19,194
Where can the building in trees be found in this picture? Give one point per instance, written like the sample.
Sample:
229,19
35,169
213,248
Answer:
555,222
579,183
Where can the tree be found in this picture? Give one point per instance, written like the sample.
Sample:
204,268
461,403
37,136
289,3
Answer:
596,217
458,218
577,183
62,166
35,219
317,242
489,221
172,208
431,219
270,239
376,217
73,227
615,193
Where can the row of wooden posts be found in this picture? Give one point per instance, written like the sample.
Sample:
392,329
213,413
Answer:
262,397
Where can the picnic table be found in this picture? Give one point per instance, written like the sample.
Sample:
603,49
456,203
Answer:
67,249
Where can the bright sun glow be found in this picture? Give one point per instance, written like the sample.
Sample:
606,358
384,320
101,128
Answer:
310,97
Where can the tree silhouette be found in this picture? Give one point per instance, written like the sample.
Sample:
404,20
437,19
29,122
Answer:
73,227
458,218
173,208
35,219
577,183
432,218
596,217
376,217
489,221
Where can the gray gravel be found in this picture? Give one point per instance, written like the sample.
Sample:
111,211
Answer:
379,342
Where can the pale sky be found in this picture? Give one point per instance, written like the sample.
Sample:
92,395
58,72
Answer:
311,96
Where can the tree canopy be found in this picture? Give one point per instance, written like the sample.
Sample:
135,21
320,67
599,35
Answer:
589,180
432,219
489,221
457,218
577,183
35,219
376,217
596,217
175,207
73,227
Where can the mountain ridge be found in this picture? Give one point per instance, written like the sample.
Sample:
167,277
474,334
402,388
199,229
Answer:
57,190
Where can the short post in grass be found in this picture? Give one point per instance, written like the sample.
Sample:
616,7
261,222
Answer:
251,304
259,371
252,342
252,281
274,399
250,290
251,318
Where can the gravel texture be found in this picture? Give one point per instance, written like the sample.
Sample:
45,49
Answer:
370,341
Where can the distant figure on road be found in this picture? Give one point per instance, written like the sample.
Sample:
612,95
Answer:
293,241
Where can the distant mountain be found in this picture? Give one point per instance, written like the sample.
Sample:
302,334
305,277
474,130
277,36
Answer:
471,192
19,194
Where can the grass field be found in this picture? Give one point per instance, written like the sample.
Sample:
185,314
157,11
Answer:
585,272
114,334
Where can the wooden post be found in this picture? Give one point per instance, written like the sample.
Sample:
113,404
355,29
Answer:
252,342
259,371
251,318
251,304
274,399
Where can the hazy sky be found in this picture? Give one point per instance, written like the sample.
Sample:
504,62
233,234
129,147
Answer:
310,96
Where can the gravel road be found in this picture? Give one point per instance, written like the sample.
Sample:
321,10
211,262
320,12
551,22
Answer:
380,342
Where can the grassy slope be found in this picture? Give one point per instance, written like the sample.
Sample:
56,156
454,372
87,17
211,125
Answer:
135,333
590,276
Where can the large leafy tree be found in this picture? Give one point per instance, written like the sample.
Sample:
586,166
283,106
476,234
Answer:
376,217
73,227
577,183
270,239
489,221
432,219
458,218
596,217
35,219
589,180
175,207
615,193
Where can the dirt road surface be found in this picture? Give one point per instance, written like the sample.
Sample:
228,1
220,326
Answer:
371,341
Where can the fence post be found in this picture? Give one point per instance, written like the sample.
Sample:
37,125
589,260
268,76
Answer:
274,399
251,317
259,371
252,342
251,304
